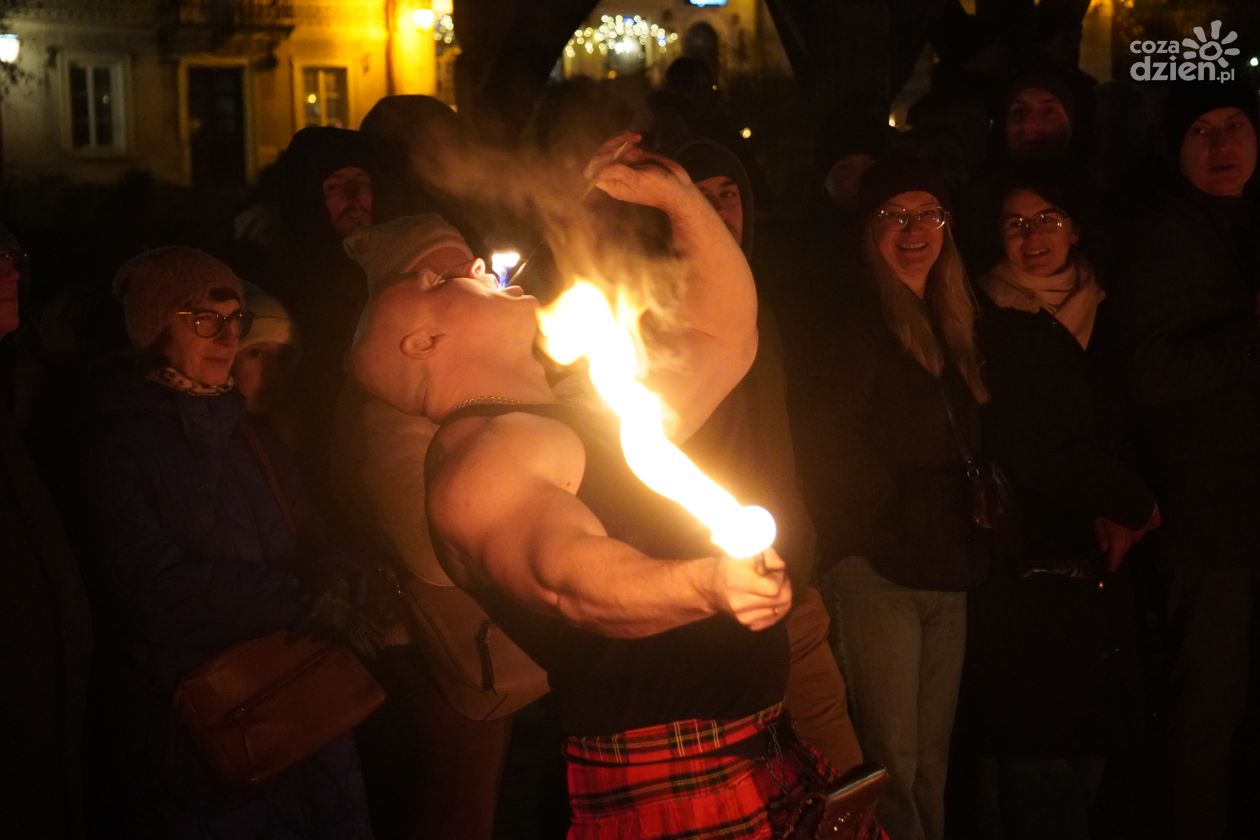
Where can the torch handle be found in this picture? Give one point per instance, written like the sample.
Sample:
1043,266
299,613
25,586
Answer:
759,564
520,268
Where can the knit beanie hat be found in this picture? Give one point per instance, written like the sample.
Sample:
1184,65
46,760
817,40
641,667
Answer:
705,159
1070,86
1053,80
898,174
156,284
1187,101
409,243
271,320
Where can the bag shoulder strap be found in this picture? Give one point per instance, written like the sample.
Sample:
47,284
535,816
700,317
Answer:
255,445
960,437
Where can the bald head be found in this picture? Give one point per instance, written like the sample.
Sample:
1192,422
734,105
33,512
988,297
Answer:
395,338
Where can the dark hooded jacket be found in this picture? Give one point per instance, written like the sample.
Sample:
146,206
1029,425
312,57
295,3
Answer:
46,648
746,444
1185,276
311,274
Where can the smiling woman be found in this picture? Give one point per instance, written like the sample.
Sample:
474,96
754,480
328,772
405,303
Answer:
890,488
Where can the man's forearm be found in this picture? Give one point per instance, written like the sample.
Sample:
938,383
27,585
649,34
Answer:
606,586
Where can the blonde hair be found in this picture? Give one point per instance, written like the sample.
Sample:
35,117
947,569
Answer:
949,313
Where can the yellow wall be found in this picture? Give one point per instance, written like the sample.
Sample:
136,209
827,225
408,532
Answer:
351,34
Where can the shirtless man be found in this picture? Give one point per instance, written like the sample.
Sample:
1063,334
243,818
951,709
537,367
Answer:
668,659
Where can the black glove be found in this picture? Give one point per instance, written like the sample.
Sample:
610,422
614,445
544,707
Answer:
329,613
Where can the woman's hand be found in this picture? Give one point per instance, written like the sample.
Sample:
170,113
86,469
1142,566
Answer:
1115,540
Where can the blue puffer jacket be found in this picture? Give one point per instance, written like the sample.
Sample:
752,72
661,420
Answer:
189,556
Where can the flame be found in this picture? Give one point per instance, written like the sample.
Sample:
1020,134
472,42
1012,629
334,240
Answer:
582,323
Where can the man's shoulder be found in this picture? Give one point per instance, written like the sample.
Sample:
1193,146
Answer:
495,449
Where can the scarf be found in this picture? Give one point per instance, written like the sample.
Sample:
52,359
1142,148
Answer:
171,378
1071,296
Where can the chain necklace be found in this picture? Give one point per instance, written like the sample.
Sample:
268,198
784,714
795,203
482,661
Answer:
488,400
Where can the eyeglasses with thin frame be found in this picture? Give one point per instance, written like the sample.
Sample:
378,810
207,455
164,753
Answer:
13,258
1047,221
933,218
207,323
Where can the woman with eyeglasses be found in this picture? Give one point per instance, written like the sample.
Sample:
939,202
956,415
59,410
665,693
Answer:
188,552
890,496
1052,649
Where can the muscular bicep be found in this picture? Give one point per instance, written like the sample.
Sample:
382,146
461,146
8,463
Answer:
706,369
505,512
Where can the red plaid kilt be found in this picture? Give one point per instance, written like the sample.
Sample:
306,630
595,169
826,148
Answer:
664,781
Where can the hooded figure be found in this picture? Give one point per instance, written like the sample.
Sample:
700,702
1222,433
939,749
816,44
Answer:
326,192
1046,114
1184,284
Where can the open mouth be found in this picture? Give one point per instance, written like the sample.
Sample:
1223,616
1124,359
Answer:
1040,252
911,246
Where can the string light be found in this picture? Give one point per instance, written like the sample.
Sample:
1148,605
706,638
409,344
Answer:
444,30
623,36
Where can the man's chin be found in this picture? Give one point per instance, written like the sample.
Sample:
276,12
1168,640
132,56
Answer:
347,225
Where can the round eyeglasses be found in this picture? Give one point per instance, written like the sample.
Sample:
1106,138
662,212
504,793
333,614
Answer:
207,323
930,217
1046,221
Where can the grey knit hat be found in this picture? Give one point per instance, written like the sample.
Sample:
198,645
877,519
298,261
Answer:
157,283
272,321
406,244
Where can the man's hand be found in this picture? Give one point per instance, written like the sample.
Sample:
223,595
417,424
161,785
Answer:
627,173
756,591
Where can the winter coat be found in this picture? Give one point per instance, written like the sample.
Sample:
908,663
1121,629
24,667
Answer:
190,557
46,643
883,466
1053,667
1183,286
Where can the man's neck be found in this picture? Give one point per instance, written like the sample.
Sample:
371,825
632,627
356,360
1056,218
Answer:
525,384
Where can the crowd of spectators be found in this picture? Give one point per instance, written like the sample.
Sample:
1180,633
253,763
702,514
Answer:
1048,291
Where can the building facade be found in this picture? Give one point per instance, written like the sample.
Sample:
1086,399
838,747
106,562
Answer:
626,37
203,92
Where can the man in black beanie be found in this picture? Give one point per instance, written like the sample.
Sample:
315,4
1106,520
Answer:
1184,284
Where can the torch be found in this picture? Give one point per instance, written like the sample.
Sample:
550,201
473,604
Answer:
582,323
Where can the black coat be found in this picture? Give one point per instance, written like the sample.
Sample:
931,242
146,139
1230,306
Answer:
882,461
46,646
1184,287
1053,666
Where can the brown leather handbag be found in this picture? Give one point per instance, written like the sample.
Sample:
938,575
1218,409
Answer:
262,707
994,509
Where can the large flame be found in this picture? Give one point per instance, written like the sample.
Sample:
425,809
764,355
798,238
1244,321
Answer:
581,323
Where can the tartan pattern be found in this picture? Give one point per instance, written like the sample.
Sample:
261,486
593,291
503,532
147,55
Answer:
657,782
668,741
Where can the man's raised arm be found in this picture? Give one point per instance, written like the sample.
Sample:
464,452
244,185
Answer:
504,510
719,306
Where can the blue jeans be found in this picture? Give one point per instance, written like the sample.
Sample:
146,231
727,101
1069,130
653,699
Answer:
901,651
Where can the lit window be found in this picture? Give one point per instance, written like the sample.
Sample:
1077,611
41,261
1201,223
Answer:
96,113
324,96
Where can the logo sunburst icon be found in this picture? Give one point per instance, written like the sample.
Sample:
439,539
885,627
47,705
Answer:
1210,49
